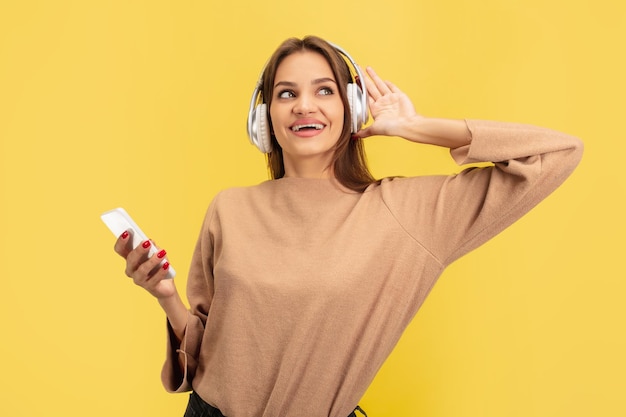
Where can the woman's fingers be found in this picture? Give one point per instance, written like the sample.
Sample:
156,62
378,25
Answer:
372,90
363,133
137,257
382,86
148,272
151,276
123,244
392,87
376,87
149,267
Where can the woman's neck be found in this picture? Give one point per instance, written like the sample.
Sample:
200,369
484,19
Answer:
309,168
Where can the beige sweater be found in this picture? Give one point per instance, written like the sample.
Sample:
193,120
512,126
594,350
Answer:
299,289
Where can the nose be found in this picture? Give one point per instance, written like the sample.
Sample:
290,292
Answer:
304,104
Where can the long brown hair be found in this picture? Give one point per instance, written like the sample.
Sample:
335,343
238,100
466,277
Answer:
349,161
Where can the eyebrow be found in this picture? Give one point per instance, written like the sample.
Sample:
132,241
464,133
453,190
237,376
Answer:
314,82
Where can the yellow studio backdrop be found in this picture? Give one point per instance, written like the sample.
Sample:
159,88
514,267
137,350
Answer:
142,104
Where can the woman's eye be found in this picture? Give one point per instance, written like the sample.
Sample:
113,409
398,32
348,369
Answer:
326,91
286,94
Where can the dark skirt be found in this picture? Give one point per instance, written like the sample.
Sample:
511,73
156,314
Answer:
197,407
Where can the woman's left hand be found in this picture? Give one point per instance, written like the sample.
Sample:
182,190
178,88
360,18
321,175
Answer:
390,108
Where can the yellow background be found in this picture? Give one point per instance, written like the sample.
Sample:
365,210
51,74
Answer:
142,104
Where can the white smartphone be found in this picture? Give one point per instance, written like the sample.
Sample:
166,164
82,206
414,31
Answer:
119,221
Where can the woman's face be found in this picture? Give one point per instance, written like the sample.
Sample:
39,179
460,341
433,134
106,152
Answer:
306,113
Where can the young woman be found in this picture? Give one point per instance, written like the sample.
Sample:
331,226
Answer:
300,287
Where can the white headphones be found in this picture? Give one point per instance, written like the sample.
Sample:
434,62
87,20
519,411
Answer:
258,123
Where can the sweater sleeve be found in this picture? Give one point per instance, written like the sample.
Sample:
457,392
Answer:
452,215
200,294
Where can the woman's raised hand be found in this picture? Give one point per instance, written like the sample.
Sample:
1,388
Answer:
144,270
391,109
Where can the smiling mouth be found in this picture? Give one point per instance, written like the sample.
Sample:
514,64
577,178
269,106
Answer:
312,126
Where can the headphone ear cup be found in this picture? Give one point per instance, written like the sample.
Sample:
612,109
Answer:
356,111
260,135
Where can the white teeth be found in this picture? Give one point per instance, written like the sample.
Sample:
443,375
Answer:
313,126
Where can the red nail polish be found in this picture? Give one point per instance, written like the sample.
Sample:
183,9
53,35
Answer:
146,244
354,137
166,265
161,254
124,235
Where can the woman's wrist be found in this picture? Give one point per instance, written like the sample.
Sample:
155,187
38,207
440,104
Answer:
176,313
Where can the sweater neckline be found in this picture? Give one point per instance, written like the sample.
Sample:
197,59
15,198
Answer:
331,183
